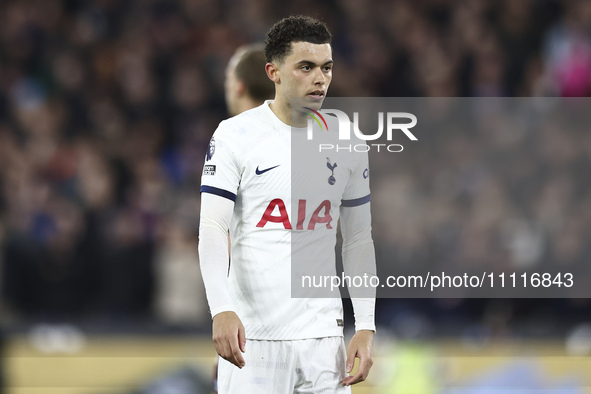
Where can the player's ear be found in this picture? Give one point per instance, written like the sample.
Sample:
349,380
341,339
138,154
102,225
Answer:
272,72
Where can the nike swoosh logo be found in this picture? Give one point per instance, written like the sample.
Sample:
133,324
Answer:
259,172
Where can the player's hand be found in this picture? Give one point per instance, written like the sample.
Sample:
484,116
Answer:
361,346
229,337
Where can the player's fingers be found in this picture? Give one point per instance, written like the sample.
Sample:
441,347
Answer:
223,349
221,344
349,380
227,354
350,359
242,339
364,366
236,354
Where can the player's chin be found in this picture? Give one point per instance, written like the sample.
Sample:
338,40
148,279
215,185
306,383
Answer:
314,101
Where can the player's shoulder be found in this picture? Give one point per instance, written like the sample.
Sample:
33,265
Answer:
241,125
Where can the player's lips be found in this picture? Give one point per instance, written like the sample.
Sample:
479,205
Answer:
317,94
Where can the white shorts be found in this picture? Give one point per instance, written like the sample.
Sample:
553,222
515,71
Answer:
287,367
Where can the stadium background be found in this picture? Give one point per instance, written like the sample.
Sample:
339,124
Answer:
106,109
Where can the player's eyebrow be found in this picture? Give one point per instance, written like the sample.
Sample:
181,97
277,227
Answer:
311,63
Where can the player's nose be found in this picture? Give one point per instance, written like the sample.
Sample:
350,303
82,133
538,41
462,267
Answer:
319,77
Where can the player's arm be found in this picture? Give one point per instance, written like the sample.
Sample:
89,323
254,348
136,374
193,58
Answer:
219,186
359,260
228,331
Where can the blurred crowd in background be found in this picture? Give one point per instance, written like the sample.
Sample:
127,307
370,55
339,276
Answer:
107,108
495,185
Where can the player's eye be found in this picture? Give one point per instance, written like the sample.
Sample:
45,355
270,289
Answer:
306,68
327,68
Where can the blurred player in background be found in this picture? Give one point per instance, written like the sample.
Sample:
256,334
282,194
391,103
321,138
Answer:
294,345
247,86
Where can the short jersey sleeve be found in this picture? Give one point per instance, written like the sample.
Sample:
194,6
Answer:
221,171
357,189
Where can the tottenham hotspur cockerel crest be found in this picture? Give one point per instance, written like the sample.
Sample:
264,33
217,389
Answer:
331,167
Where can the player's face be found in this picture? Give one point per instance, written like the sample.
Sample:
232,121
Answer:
306,72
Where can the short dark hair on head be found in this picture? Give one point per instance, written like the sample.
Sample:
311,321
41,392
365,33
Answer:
294,29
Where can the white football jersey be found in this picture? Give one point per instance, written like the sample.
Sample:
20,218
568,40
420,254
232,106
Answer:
249,161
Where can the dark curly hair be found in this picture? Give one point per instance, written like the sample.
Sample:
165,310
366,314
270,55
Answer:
298,28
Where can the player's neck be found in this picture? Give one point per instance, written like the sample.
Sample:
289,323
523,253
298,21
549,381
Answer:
281,111
284,113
